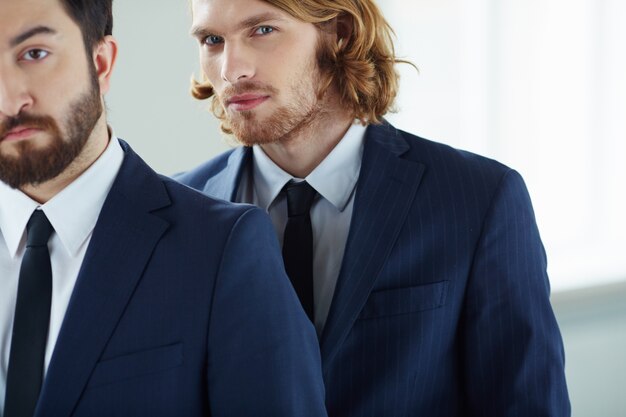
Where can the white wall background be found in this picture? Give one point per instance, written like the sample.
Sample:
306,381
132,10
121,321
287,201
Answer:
149,102
537,84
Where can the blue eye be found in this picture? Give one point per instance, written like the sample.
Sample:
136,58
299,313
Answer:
35,55
213,40
264,30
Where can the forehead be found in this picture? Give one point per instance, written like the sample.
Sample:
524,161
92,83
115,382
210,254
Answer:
19,16
227,13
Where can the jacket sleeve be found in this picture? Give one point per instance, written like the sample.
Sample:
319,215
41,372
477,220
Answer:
263,355
513,354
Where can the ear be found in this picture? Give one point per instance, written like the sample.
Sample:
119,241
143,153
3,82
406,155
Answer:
344,28
104,56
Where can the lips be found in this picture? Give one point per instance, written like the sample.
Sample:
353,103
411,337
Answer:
19,133
246,101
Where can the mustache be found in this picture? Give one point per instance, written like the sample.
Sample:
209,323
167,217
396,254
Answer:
27,121
244,87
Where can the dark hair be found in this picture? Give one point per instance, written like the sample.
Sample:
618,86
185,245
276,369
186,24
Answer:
94,17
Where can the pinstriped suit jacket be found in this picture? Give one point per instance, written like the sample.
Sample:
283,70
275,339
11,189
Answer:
442,303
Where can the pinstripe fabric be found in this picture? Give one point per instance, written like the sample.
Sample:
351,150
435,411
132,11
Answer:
442,304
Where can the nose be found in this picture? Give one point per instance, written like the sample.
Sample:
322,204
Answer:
237,63
14,97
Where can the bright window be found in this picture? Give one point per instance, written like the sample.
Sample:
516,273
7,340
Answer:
539,85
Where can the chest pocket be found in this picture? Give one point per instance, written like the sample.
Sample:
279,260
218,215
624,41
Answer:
137,364
405,300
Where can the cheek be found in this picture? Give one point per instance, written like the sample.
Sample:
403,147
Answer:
295,60
210,69
65,80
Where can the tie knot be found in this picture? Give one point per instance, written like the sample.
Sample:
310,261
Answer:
38,229
300,196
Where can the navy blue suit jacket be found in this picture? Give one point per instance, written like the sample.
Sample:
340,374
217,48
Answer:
181,308
442,303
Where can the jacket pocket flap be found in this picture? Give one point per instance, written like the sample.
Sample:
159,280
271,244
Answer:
405,300
136,364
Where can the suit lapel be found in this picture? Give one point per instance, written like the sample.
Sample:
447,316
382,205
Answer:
386,188
224,184
121,245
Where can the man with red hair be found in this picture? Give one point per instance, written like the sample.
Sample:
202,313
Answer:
420,265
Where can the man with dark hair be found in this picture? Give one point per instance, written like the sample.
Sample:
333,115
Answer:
122,292
420,265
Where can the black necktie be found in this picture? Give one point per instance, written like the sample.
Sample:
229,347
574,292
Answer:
298,242
32,317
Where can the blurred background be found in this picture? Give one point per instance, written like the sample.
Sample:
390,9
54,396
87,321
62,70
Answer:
539,85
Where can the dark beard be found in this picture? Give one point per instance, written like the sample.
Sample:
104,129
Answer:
35,165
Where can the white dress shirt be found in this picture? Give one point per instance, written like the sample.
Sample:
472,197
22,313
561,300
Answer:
73,214
335,180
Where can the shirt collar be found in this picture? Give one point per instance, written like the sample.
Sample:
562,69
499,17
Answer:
15,210
334,178
269,178
73,212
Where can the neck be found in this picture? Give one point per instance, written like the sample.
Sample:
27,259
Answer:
94,147
300,153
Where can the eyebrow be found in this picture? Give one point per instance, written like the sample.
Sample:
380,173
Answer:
38,30
200,32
